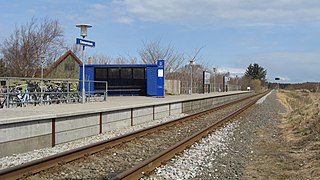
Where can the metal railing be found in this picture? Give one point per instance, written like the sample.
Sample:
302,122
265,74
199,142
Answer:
21,92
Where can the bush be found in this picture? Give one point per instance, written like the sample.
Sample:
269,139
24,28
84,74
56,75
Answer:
256,85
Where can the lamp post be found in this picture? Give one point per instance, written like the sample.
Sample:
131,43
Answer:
191,62
42,61
41,88
237,82
227,79
83,33
214,78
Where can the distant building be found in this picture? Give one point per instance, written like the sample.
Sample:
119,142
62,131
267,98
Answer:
66,67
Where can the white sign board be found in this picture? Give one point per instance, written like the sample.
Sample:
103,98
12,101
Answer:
206,77
160,72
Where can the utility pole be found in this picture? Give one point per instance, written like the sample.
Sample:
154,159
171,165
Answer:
191,63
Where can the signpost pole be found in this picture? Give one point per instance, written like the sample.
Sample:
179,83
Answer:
191,80
41,88
278,84
83,76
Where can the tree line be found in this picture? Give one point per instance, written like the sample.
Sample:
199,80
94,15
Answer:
42,40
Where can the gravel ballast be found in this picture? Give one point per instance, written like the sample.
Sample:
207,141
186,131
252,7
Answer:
17,159
224,154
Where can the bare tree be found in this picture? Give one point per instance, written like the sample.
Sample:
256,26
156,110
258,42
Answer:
133,60
75,48
3,68
153,51
23,49
121,60
195,56
101,59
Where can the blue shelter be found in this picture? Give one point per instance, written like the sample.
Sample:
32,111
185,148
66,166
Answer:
125,79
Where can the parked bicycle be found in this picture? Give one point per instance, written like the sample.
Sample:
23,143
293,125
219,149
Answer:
21,92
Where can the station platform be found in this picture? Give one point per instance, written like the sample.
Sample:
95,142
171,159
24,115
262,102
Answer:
27,128
113,103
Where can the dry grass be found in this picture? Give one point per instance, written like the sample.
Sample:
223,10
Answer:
294,152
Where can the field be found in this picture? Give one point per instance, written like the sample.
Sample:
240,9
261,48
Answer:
290,149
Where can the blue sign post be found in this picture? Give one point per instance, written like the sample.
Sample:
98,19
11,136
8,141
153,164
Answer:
160,79
84,43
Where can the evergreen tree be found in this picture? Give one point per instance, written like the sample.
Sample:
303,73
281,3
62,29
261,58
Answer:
255,71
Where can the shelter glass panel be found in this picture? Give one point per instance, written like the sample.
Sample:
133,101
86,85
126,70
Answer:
138,73
101,73
113,73
126,73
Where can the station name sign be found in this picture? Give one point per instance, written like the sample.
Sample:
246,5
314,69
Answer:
85,42
206,77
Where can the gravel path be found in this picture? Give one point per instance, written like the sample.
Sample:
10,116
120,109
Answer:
223,154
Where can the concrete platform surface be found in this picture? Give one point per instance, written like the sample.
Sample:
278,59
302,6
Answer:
20,114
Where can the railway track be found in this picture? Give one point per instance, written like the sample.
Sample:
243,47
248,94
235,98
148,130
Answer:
130,156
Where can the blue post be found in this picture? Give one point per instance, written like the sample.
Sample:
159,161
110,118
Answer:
160,78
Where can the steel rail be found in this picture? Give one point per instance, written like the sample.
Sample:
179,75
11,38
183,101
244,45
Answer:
36,166
155,161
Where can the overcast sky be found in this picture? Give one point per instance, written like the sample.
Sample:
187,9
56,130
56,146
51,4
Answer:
283,36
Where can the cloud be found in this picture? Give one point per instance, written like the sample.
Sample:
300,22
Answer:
232,70
98,10
245,12
98,7
125,20
117,10
111,11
